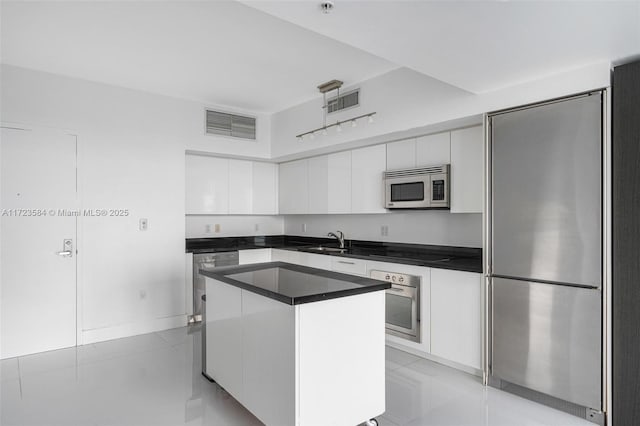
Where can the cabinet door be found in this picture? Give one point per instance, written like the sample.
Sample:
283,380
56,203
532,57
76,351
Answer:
224,335
246,257
207,185
456,316
433,150
240,187
318,184
320,261
401,154
367,166
293,187
349,265
265,188
467,170
339,182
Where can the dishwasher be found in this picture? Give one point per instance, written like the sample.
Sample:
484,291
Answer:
207,261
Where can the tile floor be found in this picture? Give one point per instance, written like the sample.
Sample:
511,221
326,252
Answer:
154,379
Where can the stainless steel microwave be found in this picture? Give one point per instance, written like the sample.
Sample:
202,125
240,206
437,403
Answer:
419,188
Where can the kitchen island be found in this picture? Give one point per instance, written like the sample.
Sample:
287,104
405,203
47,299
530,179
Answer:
297,345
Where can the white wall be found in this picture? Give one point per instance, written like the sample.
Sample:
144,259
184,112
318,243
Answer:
405,100
233,226
131,156
419,227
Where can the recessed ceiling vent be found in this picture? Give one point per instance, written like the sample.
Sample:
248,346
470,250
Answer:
346,101
225,124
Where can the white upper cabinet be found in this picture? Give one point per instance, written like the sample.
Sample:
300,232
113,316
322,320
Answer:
467,170
265,188
367,166
401,154
430,150
240,187
207,185
318,184
339,182
223,186
433,150
293,187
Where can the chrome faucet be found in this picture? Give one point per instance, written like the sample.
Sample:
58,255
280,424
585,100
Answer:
339,238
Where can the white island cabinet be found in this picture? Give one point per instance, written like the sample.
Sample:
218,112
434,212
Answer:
297,345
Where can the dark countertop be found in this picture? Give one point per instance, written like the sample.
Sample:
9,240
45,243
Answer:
294,284
444,257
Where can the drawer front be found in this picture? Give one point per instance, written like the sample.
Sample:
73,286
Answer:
349,266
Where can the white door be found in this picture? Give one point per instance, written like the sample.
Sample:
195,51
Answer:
38,280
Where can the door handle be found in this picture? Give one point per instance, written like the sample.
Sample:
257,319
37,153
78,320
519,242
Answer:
67,248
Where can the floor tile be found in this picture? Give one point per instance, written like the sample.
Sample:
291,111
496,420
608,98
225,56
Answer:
155,379
61,358
180,335
129,345
9,369
395,358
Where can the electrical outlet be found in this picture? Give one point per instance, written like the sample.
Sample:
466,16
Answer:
144,224
304,227
216,228
256,227
207,229
384,230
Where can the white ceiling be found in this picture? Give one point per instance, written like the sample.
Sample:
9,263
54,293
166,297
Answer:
217,52
234,54
478,46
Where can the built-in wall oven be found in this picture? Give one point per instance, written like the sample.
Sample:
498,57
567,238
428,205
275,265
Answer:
419,188
402,304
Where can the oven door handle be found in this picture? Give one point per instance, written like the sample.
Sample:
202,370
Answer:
399,290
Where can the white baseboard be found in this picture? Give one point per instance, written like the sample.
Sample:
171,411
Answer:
132,329
434,358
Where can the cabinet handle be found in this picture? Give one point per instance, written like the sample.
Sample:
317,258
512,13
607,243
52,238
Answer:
346,263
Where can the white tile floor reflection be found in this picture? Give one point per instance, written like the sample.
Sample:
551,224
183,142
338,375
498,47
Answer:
154,379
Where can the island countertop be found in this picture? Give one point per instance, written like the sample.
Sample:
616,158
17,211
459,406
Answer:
294,284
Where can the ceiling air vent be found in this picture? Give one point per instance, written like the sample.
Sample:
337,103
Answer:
348,100
225,124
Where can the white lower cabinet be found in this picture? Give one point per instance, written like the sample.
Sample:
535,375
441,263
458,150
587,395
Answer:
450,303
456,316
349,266
289,256
297,364
246,257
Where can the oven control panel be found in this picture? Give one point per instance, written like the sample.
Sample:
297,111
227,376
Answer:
396,278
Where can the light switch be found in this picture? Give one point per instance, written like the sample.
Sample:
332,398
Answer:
144,224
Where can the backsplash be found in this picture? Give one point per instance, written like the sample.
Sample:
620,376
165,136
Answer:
233,226
419,227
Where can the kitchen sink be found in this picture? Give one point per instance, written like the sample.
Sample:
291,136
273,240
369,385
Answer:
322,249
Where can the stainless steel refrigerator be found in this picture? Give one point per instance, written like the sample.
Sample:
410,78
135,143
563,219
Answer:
545,253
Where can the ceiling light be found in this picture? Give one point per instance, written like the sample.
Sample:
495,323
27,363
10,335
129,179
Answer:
324,88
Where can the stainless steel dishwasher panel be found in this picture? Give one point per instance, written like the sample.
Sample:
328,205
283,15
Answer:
546,337
207,261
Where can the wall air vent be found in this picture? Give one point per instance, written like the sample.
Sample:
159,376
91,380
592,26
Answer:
348,100
225,124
